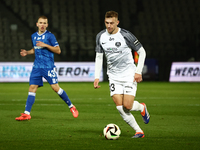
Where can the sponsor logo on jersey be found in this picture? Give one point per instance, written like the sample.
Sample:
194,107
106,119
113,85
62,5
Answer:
112,50
38,47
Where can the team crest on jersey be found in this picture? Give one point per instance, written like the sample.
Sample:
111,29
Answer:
118,44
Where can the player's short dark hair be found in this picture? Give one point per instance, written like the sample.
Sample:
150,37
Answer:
110,14
43,17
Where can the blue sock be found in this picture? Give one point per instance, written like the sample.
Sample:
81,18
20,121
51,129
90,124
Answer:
30,101
64,97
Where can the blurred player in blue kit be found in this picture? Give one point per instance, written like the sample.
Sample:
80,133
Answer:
44,47
117,45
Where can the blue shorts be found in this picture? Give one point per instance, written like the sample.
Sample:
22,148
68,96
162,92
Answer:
38,73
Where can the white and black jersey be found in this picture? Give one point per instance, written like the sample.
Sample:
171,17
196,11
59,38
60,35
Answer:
118,51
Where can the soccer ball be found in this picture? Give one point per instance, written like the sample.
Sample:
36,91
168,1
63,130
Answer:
111,131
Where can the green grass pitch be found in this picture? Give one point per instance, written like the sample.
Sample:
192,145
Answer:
174,123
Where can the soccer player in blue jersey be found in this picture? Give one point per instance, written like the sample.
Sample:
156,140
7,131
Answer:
44,47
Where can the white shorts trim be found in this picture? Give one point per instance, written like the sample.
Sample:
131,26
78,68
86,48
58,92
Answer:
118,87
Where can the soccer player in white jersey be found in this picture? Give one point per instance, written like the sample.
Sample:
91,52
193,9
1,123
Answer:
117,45
44,47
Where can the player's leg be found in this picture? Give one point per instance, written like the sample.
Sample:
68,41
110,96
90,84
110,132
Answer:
131,88
133,106
29,103
62,94
35,81
130,93
116,92
143,110
137,106
127,103
30,99
65,98
51,76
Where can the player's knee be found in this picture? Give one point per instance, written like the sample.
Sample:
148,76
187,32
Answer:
33,88
127,106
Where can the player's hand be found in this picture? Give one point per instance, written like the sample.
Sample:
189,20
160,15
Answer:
96,84
42,44
23,52
138,78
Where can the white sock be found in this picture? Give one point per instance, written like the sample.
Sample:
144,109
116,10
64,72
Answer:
129,119
27,112
137,106
60,91
71,106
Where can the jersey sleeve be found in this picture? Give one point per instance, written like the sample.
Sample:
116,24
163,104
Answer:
99,48
53,40
131,40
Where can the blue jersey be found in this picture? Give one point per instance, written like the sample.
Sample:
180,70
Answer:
44,58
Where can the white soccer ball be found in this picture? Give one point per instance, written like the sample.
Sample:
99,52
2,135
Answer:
111,131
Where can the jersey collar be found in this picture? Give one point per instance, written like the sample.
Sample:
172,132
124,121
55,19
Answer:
42,33
115,33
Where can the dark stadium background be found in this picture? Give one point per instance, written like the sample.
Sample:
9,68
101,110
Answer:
168,29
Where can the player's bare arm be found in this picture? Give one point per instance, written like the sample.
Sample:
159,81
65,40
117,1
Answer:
96,84
56,49
25,52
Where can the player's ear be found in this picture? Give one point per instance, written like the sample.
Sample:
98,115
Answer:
117,22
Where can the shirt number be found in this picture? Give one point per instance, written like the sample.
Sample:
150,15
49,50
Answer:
112,87
51,73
